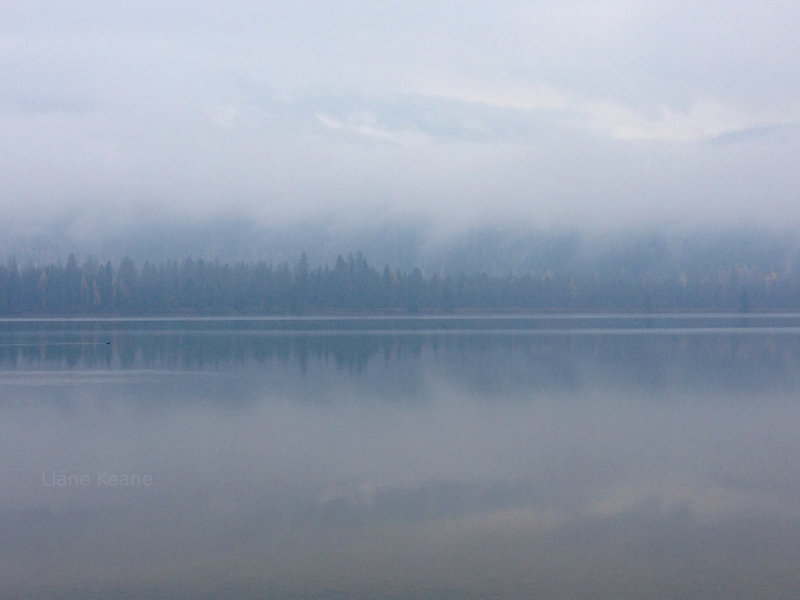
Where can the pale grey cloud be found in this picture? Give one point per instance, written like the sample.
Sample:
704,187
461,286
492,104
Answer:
579,113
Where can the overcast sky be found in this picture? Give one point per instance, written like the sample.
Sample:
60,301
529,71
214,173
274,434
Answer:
553,113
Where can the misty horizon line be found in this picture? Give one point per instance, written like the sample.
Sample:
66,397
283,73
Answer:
647,280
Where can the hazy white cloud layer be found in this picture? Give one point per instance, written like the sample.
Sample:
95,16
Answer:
565,113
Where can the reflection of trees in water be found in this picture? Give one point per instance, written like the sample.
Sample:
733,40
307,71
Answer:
348,352
479,360
86,351
193,351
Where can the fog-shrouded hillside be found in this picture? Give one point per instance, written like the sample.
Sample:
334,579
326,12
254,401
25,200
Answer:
407,244
233,267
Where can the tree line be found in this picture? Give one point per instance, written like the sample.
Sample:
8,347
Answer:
352,285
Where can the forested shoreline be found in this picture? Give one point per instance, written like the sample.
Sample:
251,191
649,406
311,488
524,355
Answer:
353,286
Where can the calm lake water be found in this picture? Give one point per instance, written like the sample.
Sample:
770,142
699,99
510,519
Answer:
550,457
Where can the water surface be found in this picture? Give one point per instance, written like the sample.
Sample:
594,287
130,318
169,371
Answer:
496,457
